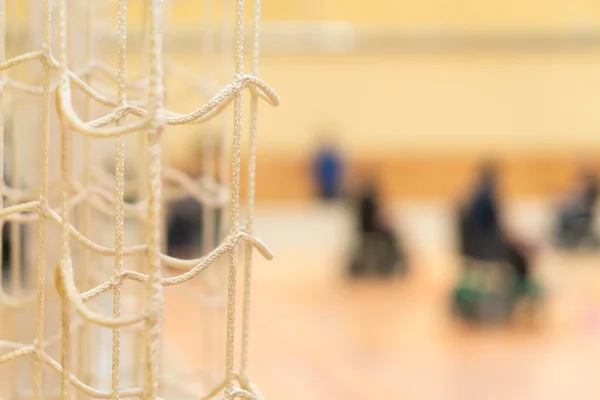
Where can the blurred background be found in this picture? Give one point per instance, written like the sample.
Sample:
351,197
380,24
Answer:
425,157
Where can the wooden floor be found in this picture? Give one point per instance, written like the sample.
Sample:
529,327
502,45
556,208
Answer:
318,336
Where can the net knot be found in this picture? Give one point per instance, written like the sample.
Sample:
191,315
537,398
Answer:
160,120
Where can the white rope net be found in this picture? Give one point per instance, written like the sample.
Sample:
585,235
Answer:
82,306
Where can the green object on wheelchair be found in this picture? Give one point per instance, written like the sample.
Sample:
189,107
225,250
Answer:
478,286
527,287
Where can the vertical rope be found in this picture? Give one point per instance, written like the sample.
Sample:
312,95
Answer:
43,199
162,213
84,331
208,148
154,164
235,198
119,196
209,228
140,338
226,53
225,62
64,167
251,192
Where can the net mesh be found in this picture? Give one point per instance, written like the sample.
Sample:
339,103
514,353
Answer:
81,296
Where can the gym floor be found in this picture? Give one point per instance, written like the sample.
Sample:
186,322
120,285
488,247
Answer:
316,335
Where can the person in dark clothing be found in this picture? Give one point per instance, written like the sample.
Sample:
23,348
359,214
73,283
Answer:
576,216
185,227
369,210
487,289
328,172
589,195
378,250
482,233
488,249
6,251
7,226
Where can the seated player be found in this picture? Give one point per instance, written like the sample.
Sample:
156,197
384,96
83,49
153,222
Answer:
186,225
484,242
378,251
7,227
5,251
575,224
184,235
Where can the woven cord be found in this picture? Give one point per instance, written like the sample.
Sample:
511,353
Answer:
251,192
94,193
119,196
43,199
235,199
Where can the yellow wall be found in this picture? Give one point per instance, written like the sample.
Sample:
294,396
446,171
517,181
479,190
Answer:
411,103
407,103
448,13
470,12
434,103
426,102
419,107
463,13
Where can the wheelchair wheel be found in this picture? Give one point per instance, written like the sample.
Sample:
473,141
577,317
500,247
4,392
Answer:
483,293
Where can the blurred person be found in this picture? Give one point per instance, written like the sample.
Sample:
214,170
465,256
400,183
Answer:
186,225
185,228
328,170
6,250
378,250
486,242
7,231
6,247
483,234
577,213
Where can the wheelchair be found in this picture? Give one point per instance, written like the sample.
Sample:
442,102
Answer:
576,232
489,291
377,254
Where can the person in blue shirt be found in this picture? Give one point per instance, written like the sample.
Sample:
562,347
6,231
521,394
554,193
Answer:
328,172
